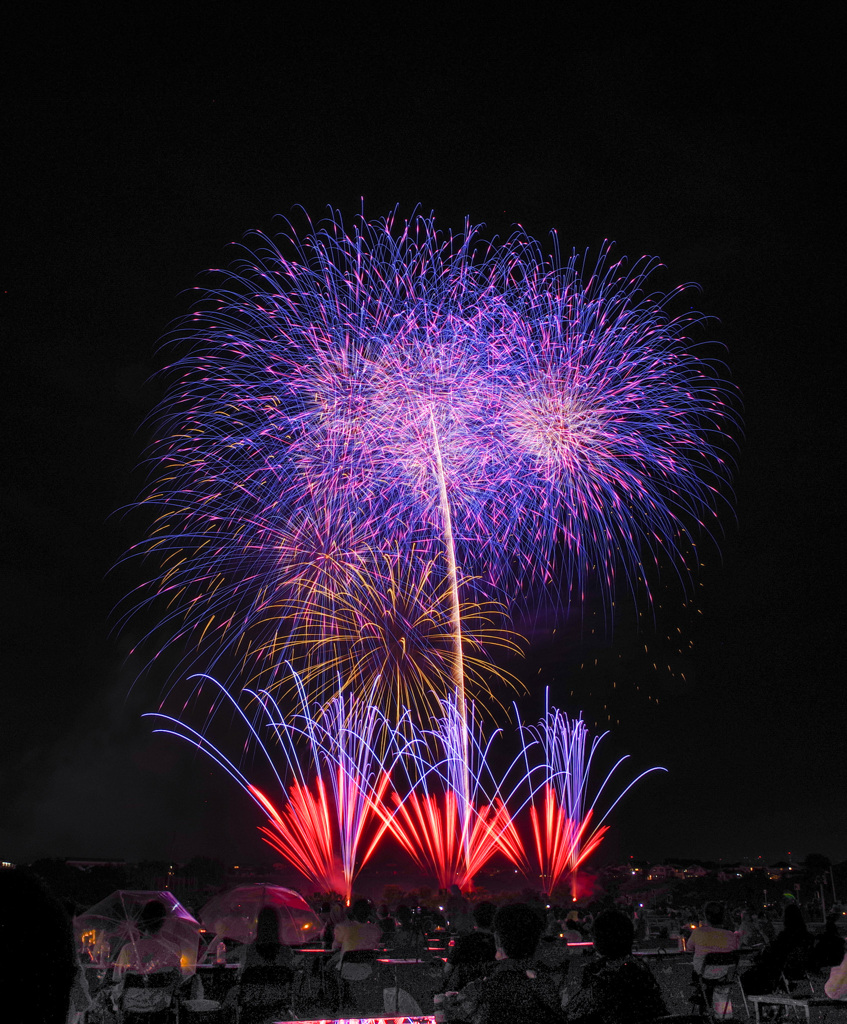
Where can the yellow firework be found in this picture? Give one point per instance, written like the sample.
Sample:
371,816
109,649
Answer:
388,622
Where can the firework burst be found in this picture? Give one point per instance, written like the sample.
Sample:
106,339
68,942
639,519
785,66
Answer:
353,409
622,433
390,627
330,764
453,815
567,822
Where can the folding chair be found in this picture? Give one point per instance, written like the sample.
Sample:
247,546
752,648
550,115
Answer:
358,964
151,998
797,985
723,982
263,991
355,969
806,1008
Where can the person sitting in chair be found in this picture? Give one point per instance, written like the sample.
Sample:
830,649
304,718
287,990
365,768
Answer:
152,953
33,921
471,955
408,940
710,937
359,932
617,988
516,988
836,985
788,955
153,950
265,971
829,947
267,950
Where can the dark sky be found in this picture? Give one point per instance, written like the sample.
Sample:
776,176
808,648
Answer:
137,151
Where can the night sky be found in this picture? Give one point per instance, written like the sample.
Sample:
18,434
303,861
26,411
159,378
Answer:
139,150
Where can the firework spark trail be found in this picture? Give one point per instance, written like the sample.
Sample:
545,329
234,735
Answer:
451,817
454,816
303,833
331,795
458,702
563,805
333,402
334,774
429,828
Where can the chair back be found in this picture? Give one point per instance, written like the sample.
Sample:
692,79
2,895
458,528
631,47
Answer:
715,981
358,964
360,956
155,979
263,989
148,994
270,974
796,984
729,960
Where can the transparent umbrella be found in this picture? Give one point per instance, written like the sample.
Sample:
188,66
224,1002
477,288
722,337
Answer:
234,913
103,930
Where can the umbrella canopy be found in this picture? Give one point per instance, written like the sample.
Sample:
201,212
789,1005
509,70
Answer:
103,930
234,913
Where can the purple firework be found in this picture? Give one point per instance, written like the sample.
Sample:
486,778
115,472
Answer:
394,394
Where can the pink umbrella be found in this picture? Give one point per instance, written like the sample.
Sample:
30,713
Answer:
234,913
